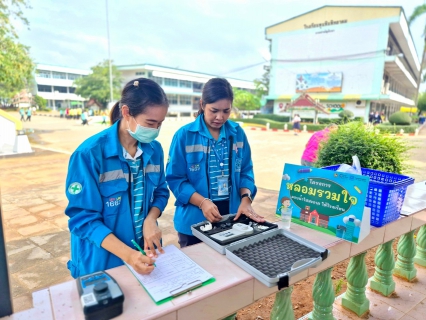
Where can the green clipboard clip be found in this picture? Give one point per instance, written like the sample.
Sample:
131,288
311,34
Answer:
186,287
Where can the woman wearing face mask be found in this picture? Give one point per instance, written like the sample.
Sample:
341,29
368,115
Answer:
116,186
209,170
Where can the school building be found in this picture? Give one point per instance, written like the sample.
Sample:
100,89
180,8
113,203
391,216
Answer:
56,85
358,58
182,87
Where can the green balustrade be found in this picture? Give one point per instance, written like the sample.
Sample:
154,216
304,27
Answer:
323,295
283,309
404,267
420,257
354,298
382,280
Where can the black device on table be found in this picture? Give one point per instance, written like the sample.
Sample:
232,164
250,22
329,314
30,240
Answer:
100,296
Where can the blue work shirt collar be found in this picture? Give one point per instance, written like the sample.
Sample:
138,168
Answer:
199,125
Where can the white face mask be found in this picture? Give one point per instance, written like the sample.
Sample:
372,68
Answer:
144,134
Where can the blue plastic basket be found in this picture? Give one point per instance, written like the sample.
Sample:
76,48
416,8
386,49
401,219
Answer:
386,193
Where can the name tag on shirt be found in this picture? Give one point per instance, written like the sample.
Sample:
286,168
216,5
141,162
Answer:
222,186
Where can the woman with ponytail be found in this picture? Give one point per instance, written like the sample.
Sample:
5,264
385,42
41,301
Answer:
116,186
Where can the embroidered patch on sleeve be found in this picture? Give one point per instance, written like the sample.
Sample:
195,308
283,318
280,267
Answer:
75,188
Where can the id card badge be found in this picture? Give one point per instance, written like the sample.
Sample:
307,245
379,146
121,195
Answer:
222,186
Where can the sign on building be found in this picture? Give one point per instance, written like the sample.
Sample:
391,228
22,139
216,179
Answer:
319,82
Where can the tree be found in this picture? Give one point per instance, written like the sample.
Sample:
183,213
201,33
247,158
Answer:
11,9
262,84
16,66
346,115
421,103
418,11
245,100
40,102
96,85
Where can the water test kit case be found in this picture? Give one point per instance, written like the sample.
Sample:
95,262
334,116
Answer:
269,254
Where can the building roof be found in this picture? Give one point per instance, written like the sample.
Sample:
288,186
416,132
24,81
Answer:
62,69
181,74
305,101
335,13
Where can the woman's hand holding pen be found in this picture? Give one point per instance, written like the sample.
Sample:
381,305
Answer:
246,209
210,211
140,263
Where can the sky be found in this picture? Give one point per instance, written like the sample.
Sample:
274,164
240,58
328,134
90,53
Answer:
219,37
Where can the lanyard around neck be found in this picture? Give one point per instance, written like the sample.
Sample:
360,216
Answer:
221,158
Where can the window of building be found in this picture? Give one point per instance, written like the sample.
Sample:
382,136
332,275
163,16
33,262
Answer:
185,84
60,89
140,73
58,103
159,80
71,89
43,88
185,100
59,75
43,74
173,98
171,82
196,104
197,86
73,76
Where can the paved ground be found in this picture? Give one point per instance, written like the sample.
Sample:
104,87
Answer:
33,198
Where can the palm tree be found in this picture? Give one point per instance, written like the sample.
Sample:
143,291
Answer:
418,11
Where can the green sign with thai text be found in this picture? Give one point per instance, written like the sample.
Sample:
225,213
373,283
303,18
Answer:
325,200
321,194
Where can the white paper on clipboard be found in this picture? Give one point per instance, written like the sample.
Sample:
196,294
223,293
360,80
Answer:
174,273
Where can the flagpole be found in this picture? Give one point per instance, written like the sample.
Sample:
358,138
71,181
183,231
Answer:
109,53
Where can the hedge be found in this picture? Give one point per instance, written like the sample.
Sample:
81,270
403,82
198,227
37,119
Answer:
274,117
280,125
389,128
278,118
384,127
273,124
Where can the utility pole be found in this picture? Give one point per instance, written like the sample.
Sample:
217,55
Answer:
422,64
109,53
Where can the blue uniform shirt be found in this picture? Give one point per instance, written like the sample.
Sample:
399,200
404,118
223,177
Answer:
187,169
99,191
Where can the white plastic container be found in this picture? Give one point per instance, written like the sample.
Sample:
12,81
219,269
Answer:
286,217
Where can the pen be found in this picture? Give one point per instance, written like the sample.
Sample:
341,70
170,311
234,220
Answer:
139,248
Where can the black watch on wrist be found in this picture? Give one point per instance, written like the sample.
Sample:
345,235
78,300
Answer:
248,195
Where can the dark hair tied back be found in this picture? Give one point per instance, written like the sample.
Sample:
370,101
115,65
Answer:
138,94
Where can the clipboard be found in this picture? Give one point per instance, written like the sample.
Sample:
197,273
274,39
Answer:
175,274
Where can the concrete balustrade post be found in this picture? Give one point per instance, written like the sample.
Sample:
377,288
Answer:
420,257
323,295
382,280
404,267
354,299
283,309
